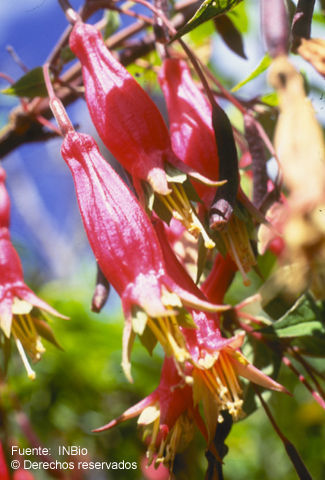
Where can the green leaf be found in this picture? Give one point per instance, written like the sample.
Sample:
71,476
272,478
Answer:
271,99
112,23
201,34
303,319
30,85
190,191
261,67
265,360
161,210
45,331
230,35
239,18
5,348
148,340
276,298
311,345
201,259
145,74
149,196
319,18
66,54
218,240
184,319
209,9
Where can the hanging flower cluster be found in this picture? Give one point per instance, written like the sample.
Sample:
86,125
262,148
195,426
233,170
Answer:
172,238
160,300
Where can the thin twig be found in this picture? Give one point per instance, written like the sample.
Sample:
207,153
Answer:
311,372
293,454
304,381
23,126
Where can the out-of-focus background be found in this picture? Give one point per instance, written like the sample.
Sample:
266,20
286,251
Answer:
82,386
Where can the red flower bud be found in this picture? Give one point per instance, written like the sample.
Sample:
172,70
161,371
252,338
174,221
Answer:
125,245
193,139
127,120
275,27
166,415
190,122
132,128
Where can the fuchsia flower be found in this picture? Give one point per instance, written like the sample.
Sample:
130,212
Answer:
217,361
167,416
125,245
193,141
210,378
20,308
132,128
190,123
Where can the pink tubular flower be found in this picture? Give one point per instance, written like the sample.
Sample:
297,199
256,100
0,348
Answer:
190,122
216,361
20,308
126,248
210,378
169,412
132,128
167,416
193,140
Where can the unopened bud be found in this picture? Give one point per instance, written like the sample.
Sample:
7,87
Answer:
275,27
101,292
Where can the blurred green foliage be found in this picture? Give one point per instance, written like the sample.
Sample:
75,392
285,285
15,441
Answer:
83,387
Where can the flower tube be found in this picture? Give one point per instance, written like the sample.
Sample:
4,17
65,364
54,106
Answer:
125,245
193,140
167,416
133,130
216,361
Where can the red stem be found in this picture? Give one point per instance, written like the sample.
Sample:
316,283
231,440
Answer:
309,370
304,381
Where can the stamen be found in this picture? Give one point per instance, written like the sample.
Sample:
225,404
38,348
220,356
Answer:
30,372
152,445
23,328
222,382
173,443
235,403
167,332
181,208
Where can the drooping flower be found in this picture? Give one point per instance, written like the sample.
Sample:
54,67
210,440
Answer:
125,245
216,361
169,413
190,123
217,364
20,309
132,128
193,140
209,377
167,416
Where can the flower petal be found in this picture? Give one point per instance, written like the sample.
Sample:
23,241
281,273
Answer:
253,374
